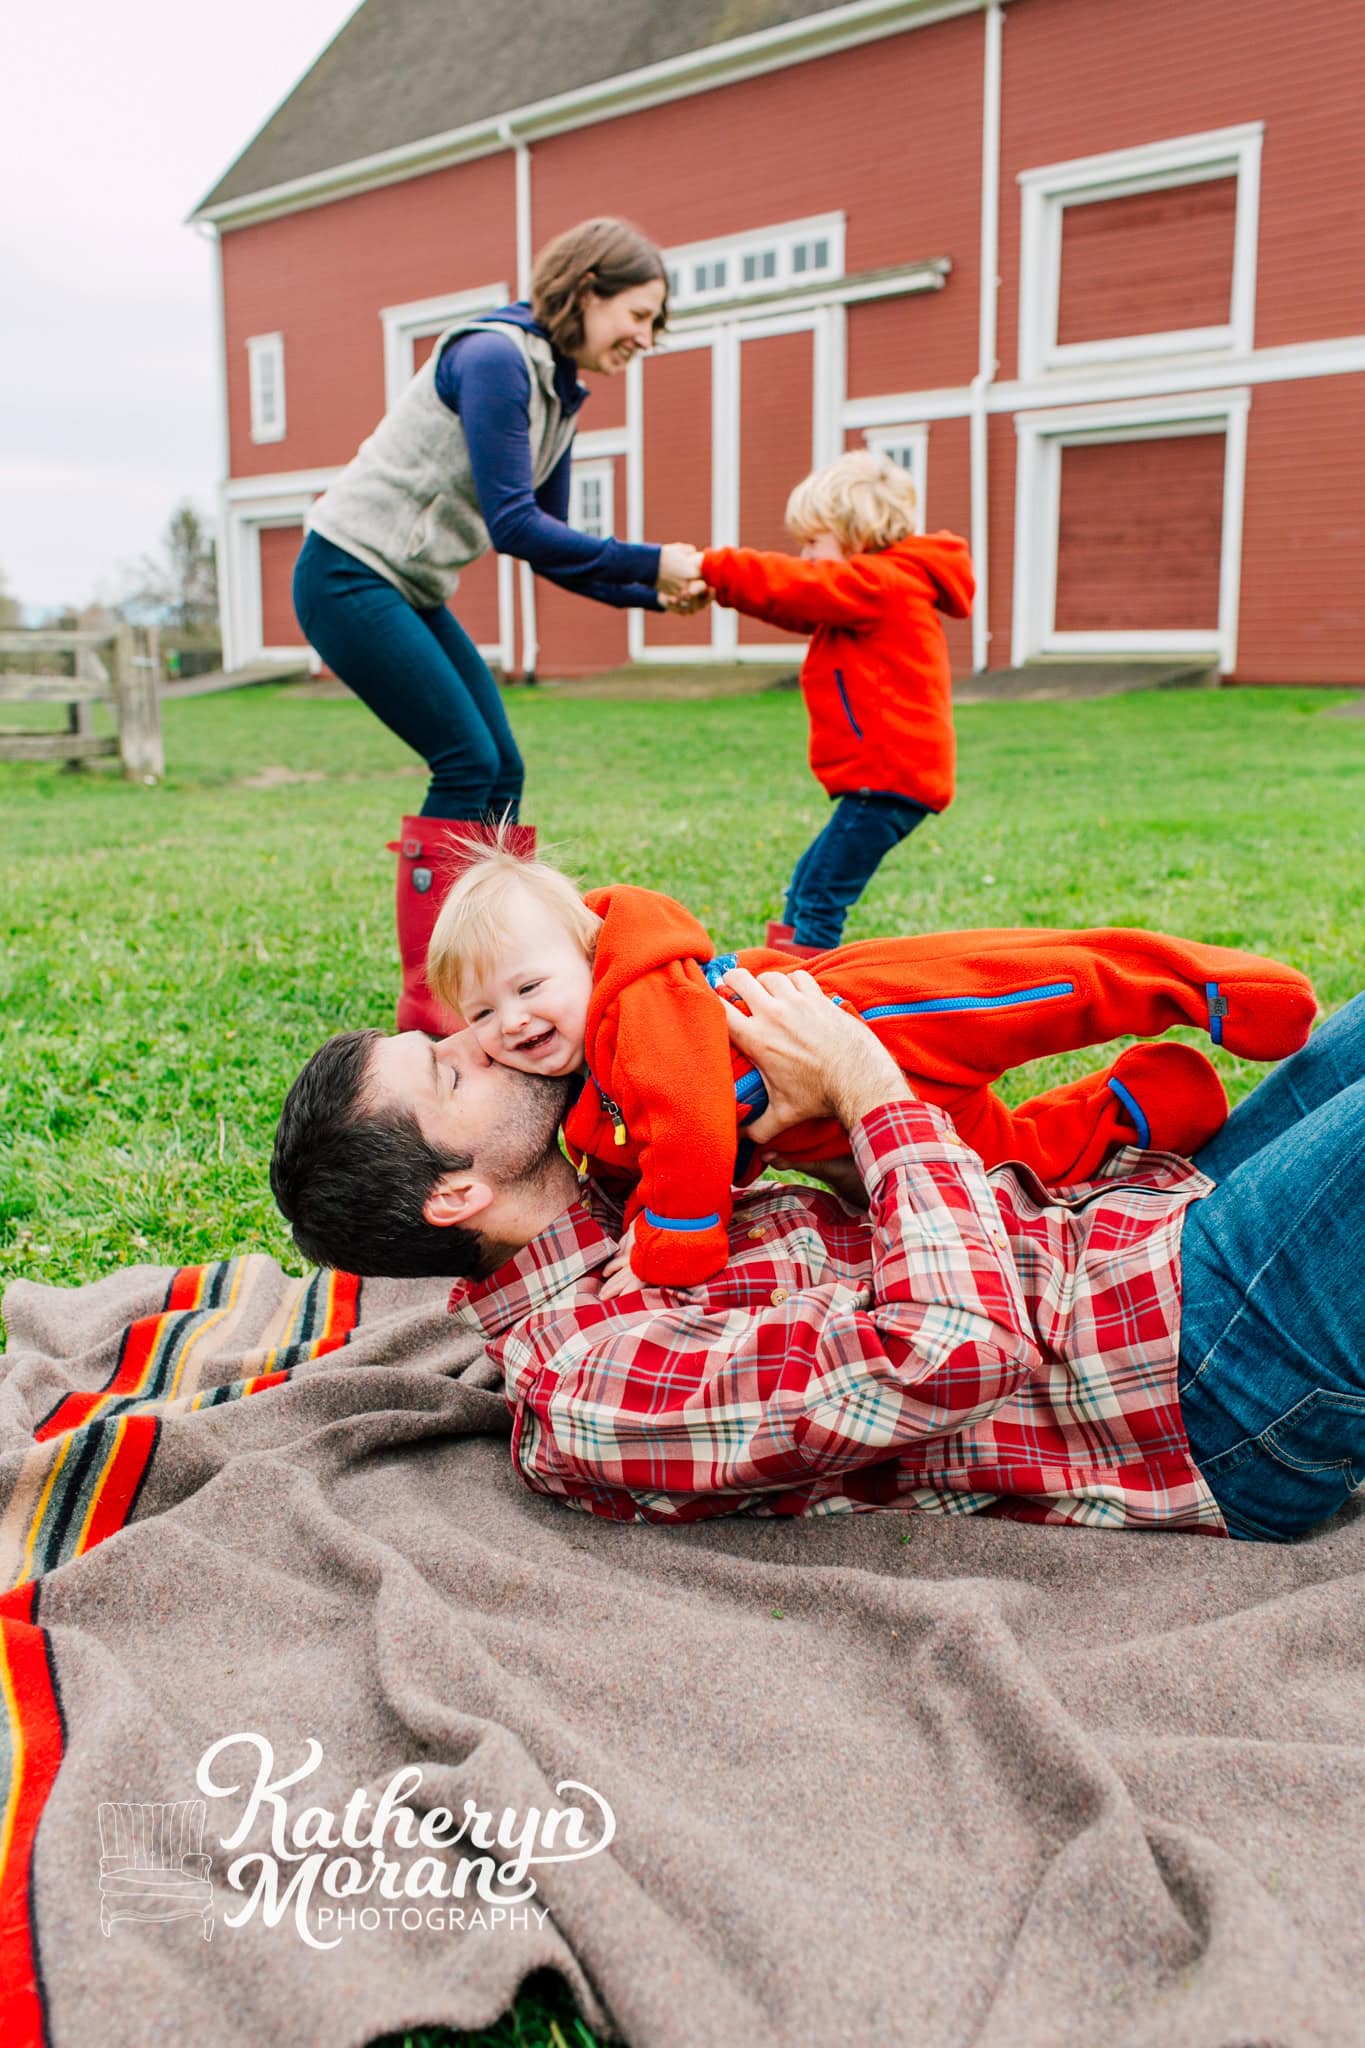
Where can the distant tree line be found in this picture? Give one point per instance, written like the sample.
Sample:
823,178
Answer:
174,587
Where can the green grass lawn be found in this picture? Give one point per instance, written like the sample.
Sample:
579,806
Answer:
172,955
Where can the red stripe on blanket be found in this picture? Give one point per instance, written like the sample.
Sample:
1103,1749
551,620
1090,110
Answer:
29,1699
342,1311
121,1478
141,1342
264,1380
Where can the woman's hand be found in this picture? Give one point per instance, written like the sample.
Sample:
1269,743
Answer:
679,570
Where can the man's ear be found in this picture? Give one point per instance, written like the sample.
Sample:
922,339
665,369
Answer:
456,1198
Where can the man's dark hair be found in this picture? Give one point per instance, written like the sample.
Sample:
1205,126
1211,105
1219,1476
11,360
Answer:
352,1178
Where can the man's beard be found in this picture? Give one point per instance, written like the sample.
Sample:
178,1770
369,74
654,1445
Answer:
526,1143
523,1154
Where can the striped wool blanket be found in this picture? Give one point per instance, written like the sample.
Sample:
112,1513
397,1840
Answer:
314,1725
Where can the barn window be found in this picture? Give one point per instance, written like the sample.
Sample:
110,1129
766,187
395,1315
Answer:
797,253
265,380
410,330
591,509
1140,253
811,255
908,448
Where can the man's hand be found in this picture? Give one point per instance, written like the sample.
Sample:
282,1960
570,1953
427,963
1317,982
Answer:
816,1057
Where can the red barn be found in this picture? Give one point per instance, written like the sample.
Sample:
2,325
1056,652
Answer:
1093,269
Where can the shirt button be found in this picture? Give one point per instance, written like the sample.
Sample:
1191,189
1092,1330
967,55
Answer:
759,1232
778,1296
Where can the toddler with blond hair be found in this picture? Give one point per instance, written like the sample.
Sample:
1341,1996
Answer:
869,589
622,987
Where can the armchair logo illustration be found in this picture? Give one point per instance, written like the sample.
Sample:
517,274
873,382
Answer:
153,1865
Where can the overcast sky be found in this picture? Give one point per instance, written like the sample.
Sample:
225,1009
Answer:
116,119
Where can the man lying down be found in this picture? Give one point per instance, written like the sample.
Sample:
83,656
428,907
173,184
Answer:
1155,1349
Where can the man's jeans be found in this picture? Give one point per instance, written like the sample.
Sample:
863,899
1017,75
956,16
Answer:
418,671
1272,1345
840,862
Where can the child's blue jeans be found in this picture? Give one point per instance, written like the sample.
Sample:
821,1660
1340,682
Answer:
1272,1344
841,860
418,671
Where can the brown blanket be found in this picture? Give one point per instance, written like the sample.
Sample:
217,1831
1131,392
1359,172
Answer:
876,1778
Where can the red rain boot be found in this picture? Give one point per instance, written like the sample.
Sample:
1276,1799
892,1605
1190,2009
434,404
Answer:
780,940
799,952
430,856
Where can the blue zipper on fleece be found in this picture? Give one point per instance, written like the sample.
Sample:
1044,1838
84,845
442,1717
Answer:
848,708
1044,992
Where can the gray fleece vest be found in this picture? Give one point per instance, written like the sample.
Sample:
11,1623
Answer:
406,504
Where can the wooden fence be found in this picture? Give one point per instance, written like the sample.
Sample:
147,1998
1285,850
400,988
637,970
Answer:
118,666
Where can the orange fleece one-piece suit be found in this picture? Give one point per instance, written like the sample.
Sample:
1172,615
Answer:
667,1095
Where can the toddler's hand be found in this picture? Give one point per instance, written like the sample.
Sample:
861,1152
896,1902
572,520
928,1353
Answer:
618,1279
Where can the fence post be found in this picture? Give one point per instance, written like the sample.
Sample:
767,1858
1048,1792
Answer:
80,717
136,678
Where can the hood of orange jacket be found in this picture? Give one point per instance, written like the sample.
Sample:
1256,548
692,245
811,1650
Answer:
641,930
944,560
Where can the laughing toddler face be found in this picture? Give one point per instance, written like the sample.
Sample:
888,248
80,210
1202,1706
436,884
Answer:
528,1007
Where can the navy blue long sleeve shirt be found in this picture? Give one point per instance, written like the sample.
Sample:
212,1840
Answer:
484,379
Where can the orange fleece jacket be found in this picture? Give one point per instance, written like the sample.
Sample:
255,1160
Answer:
876,679
667,1094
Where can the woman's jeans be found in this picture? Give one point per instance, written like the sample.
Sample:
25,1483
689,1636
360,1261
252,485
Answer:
418,671
1272,1343
840,862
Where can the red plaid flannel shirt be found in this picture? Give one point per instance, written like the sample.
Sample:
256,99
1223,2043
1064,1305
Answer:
978,1344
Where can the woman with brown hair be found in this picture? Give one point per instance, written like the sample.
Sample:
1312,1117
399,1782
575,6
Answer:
477,452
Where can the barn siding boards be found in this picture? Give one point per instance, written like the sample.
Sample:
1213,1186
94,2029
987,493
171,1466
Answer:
1303,579
1104,75
888,134
321,277
678,477
1139,535
279,546
1147,263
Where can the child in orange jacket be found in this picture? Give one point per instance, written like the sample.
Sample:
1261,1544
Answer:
622,985
869,590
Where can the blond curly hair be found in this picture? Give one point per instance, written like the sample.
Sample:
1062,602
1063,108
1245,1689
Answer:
867,501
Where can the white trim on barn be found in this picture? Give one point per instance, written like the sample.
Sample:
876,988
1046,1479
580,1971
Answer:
1037,513
249,504
252,502
405,325
762,261
1047,191
1341,356
265,385
725,336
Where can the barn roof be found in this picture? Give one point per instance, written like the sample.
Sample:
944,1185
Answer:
401,71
